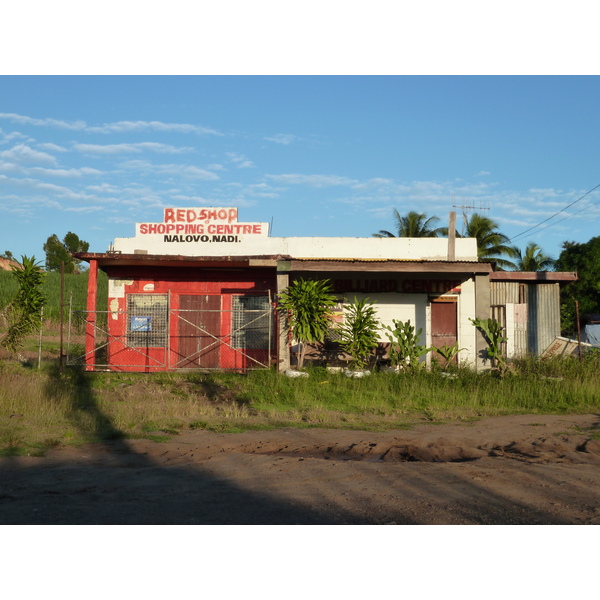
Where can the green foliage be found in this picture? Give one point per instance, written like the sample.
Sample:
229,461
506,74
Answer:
308,304
585,260
359,331
39,409
405,349
534,259
413,224
75,288
58,252
24,312
448,353
492,332
492,246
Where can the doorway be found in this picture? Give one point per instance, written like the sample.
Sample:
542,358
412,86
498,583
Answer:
444,323
199,331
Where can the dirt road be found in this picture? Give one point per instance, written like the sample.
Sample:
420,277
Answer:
506,470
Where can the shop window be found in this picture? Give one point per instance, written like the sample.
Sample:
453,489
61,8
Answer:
147,319
334,332
251,322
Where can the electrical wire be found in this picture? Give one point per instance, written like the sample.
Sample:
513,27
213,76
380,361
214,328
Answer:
568,216
555,214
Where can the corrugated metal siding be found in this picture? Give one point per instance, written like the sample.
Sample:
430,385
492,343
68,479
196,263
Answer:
534,331
504,292
499,314
520,330
544,315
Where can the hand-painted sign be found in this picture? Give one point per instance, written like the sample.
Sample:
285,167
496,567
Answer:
415,286
190,225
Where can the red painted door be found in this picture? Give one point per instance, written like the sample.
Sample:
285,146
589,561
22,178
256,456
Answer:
199,331
444,327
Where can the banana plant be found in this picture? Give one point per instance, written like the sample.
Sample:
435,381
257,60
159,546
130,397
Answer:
448,353
492,332
406,349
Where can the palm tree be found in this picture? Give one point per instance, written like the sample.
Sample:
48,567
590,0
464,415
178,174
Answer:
414,224
491,244
534,259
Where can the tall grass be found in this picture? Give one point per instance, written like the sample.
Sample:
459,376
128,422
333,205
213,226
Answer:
42,408
75,287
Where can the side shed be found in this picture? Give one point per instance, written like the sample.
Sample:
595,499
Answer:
527,305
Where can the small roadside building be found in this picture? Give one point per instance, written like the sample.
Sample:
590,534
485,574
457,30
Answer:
199,289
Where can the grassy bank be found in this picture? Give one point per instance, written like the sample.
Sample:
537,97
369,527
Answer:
75,288
40,408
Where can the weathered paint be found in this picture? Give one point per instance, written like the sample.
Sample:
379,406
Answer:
178,284
217,232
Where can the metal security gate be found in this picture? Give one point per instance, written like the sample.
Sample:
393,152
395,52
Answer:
198,324
208,336
152,336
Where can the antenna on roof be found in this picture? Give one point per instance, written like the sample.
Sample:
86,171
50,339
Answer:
465,208
271,227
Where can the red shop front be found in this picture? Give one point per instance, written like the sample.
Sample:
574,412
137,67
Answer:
177,313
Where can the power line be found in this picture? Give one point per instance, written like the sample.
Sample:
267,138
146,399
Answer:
569,216
554,215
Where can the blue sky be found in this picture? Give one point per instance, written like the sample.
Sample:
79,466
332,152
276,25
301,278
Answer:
314,155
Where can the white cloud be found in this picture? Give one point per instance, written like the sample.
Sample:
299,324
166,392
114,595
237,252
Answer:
52,147
8,167
282,138
312,180
135,148
5,138
21,153
192,200
83,171
15,118
84,209
118,127
240,161
127,126
171,169
103,188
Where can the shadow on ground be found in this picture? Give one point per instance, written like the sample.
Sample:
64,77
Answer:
112,483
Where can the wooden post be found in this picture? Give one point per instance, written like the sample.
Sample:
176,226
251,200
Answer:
61,359
283,348
578,329
452,236
90,328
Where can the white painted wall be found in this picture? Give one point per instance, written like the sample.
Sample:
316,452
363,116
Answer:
401,307
466,329
303,247
415,308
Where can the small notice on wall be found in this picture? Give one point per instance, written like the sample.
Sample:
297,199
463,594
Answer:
205,225
141,323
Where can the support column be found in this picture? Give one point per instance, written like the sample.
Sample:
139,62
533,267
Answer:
452,236
482,311
90,328
283,347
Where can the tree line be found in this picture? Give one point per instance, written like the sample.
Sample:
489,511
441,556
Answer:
581,296
59,252
492,244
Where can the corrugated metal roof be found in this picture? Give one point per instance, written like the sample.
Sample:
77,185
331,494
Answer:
383,260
